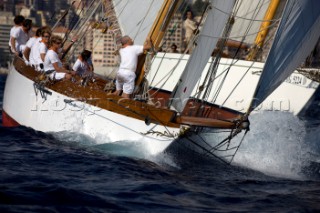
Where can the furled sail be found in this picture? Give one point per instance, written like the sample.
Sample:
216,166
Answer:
136,17
212,30
297,35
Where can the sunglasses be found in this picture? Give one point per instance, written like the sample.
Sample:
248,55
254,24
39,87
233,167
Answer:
46,36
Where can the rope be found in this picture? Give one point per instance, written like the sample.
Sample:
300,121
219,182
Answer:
194,142
143,19
84,25
140,115
234,58
248,19
239,145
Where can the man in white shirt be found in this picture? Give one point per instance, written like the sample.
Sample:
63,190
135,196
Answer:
129,59
32,41
83,65
52,63
20,37
39,49
18,20
190,27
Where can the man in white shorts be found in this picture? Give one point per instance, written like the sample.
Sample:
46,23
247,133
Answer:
129,59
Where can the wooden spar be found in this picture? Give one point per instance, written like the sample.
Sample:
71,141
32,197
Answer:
236,44
264,28
206,122
157,32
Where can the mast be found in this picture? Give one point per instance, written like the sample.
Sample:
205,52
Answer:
264,28
157,33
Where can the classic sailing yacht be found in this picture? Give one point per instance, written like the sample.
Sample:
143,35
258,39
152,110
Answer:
156,115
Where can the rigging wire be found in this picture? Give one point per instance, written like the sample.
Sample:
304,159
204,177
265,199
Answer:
73,21
249,68
180,59
143,19
234,61
177,64
214,98
227,141
201,147
249,19
83,29
62,17
170,73
214,66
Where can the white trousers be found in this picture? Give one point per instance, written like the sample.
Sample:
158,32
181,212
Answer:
125,80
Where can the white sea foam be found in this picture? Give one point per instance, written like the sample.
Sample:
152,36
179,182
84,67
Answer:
278,144
136,149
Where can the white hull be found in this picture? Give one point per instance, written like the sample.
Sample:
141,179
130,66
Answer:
291,96
57,113
52,114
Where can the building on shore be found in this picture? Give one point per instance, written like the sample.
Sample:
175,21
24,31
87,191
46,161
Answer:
6,23
101,40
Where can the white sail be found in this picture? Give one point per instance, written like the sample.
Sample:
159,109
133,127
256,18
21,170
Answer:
297,35
248,19
136,17
209,35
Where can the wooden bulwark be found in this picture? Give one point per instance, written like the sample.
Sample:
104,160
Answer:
94,94
155,111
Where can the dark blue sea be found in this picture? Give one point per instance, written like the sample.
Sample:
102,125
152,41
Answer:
277,169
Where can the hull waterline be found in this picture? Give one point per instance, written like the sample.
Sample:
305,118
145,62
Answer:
50,111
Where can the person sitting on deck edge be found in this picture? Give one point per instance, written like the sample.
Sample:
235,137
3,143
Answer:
52,63
83,65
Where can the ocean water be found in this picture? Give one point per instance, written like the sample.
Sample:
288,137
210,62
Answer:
277,169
